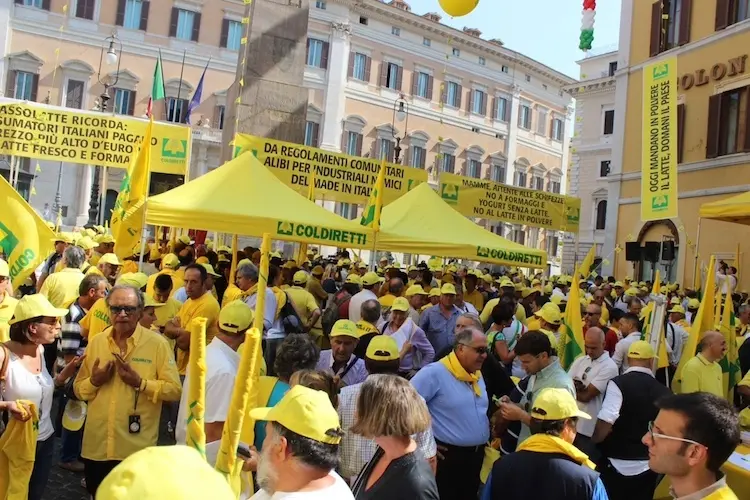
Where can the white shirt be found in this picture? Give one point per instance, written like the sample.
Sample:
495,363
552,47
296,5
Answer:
272,328
678,339
610,412
621,350
468,308
222,364
355,304
337,491
621,304
598,372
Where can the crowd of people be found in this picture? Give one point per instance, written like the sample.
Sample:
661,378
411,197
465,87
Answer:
417,382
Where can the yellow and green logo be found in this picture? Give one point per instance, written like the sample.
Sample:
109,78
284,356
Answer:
8,241
174,149
573,215
306,232
449,193
660,71
659,203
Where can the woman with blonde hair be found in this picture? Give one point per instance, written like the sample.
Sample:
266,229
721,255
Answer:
390,411
318,380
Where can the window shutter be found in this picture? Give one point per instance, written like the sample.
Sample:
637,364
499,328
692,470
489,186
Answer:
34,87
350,71
399,77
45,4
484,104
685,19
324,55
307,51
429,87
680,131
224,38
359,145
745,145
423,159
723,8
714,117
81,9
10,85
655,28
120,15
494,108
315,134
368,66
453,163
172,20
145,6
383,74
390,152
459,91
217,117
131,103
196,26
74,94
470,103
414,82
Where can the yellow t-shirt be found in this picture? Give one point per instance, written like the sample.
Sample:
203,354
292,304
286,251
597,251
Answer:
305,304
94,260
177,282
129,266
475,298
231,294
165,313
96,320
533,323
7,306
701,375
61,288
316,289
204,307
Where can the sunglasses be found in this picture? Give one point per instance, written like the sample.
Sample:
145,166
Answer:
585,373
655,435
478,350
590,313
128,310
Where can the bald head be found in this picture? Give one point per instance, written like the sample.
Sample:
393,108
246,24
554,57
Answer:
712,345
594,342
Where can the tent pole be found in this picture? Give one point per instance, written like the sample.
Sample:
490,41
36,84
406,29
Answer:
575,254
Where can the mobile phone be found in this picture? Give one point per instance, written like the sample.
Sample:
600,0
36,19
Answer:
244,452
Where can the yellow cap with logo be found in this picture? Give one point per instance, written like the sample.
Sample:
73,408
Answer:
111,259
448,289
105,238
299,278
370,278
344,327
382,348
434,292
306,412
74,415
235,317
677,309
694,304
415,290
210,270
86,243
400,304
556,404
353,279
184,239
550,312
641,350
170,260
161,472
202,260
35,306
547,289
137,280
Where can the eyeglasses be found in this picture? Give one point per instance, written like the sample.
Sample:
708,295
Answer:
478,350
585,373
591,313
128,310
655,435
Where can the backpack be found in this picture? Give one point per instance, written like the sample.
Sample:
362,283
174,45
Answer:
331,313
290,320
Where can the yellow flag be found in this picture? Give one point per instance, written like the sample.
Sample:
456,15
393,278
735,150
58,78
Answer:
371,214
127,214
196,430
647,313
585,269
25,239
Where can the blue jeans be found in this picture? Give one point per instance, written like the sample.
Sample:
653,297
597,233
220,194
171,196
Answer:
42,468
70,451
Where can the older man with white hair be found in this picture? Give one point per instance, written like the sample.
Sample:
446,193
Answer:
61,288
273,330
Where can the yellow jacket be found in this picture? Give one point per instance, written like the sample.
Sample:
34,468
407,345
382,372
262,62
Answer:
17,453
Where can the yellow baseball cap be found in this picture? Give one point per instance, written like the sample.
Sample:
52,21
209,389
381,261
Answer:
202,260
235,317
149,301
550,312
525,292
618,284
171,260
556,404
35,306
535,282
557,299
547,290
224,248
400,304
452,269
487,278
353,279
160,472
299,278
632,291
694,304
641,350
448,289
362,265
4,269
675,301
415,290
677,309
305,411
64,237
111,259
86,243
344,327
184,239
382,348
100,229
74,415
290,264
210,270
434,292
105,238
506,283
448,278
370,278
411,268
137,280
317,271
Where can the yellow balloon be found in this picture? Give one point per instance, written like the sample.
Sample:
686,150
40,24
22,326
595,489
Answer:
458,8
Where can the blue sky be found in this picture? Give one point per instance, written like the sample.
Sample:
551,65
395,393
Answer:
546,30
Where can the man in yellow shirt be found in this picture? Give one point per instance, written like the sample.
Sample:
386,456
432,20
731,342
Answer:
201,304
61,288
395,290
472,295
315,287
108,266
702,373
305,304
106,245
125,377
7,304
162,294
169,266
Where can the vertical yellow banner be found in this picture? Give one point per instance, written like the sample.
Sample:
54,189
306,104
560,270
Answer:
659,160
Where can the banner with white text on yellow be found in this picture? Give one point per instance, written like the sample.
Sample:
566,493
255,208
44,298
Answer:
659,146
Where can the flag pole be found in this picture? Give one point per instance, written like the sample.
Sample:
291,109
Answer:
161,68
179,87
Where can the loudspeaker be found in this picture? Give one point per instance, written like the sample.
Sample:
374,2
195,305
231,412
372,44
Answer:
667,250
651,251
633,251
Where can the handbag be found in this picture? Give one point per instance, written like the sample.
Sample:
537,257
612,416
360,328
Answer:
491,455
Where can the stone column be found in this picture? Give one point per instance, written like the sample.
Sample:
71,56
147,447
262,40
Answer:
335,99
84,195
512,140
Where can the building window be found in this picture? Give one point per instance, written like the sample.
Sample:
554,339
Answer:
320,5
33,3
505,69
418,156
482,61
612,68
234,35
479,102
553,187
220,111
456,52
501,109
601,215
524,116
497,173
729,124
426,42
609,122
604,168
386,150
528,78
311,133
363,20
739,10
317,53
537,183
423,85
453,94
474,169
359,68
25,86
124,102
74,94
670,24
519,179
518,235
396,31
557,129
390,75
552,243
354,144
541,122
185,24
85,9
348,211
448,163
133,15
176,110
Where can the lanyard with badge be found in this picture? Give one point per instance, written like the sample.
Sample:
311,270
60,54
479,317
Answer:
134,419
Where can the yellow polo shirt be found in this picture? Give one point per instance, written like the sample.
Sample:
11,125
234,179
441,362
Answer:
7,306
533,323
61,288
305,304
701,375
106,436
204,307
475,298
231,294
316,289
177,281
96,320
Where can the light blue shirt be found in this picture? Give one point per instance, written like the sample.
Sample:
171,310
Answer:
459,417
270,330
440,331
553,376
180,295
599,493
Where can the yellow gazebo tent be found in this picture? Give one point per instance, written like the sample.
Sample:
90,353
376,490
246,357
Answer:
733,209
244,197
421,222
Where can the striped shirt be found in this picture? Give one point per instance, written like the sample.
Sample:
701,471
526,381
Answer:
71,343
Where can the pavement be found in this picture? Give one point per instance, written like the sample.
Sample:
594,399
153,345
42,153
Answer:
62,484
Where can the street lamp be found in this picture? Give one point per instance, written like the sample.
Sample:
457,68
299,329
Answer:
111,55
400,114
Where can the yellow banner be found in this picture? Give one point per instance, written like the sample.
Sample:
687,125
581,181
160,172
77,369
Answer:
338,177
515,205
659,147
75,136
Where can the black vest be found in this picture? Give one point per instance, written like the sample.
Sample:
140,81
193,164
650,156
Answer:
639,394
526,475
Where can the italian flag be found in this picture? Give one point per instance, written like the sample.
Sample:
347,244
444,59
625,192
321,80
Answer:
157,91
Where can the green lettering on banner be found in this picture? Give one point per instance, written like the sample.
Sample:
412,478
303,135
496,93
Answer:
285,228
515,257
